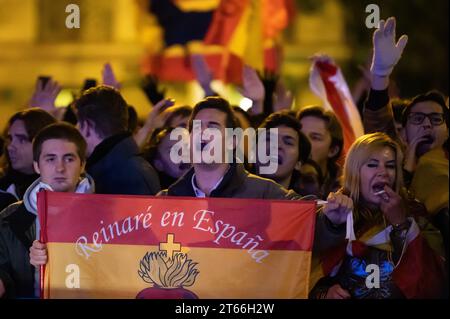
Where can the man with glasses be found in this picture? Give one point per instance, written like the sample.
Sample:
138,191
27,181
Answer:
425,126
423,118
425,131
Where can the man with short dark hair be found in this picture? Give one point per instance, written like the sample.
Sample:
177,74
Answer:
114,161
59,158
293,149
221,179
425,125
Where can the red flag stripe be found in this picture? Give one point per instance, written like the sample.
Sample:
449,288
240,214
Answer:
328,70
225,20
146,220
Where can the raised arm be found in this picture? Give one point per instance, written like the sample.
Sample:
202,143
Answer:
387,52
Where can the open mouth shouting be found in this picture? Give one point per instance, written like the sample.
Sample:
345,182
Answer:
378,190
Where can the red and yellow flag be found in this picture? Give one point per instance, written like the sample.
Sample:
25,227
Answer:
120,246
228,33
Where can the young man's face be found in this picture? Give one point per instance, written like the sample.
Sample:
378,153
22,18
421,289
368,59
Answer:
288,152
320,138
428,135
59,165
210,119
20,149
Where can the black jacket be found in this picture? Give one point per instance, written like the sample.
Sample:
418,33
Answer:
17,233
237,183
21,183
117,168
6,199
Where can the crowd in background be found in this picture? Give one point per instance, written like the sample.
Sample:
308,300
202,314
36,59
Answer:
393,180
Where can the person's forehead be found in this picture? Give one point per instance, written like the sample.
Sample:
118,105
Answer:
427,107
313,124
283,130
18,127
58,146
211,115
384,153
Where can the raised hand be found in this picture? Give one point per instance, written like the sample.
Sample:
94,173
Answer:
150,86
38,254
157,116
44,95
411,159
283,98
253,89
337,208
202,73
108,77
155,119
386,52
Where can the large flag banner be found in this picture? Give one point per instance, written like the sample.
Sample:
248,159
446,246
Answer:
121,246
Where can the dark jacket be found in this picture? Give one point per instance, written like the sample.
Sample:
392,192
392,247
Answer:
6,199
17,233
117,168
378,115
237,183
20,182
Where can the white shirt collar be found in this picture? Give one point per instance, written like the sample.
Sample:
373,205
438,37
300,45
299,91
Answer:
198,192
12,190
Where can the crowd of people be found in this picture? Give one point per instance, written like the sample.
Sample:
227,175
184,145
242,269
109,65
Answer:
391,187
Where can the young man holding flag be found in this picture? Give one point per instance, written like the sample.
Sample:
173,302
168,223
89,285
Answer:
59,157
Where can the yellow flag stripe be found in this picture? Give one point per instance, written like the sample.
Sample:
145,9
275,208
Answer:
223,273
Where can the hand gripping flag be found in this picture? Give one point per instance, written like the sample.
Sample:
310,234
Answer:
120,246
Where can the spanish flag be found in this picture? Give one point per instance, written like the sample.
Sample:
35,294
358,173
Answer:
250,30
228,33
121,246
